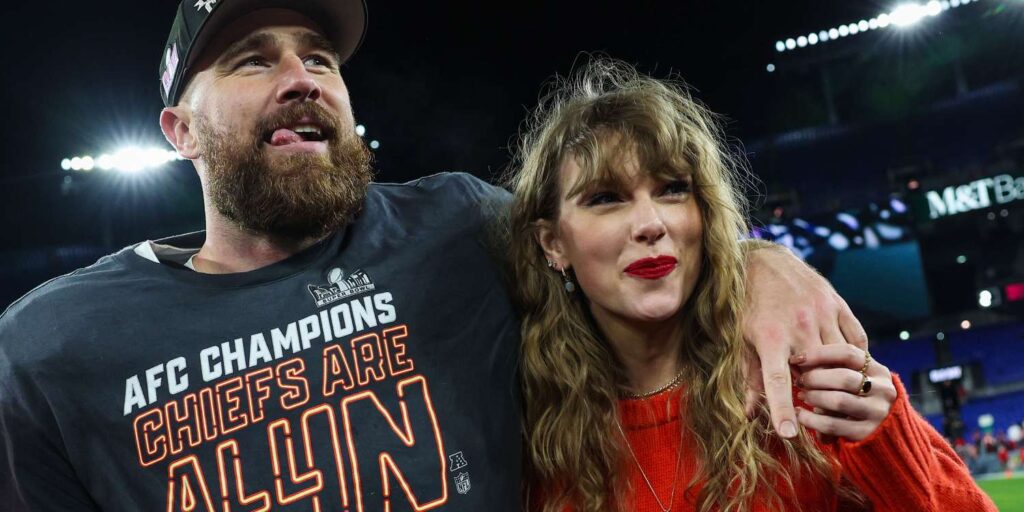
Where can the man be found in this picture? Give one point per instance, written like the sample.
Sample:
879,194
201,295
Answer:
327,343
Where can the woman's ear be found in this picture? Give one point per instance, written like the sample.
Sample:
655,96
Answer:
551,244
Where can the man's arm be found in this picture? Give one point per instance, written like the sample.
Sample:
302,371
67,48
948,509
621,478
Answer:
790,308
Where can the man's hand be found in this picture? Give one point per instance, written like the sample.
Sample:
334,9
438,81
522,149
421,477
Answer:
790,309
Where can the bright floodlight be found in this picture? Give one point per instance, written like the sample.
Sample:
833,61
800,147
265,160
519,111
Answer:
904,335
823,36
985,298
374,144
844,30
65,164
966,324
812,38
360,130
833,33
863,25
779,47
801,41
790,43
770,68
933,8
853,28
907,14
130,159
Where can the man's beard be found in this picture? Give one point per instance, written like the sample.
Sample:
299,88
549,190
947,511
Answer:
295,196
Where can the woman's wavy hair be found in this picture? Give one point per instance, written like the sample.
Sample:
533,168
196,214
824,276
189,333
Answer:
575,455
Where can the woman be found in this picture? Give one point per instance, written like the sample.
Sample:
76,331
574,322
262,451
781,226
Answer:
625,244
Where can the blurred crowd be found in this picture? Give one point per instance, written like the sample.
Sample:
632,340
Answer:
993,452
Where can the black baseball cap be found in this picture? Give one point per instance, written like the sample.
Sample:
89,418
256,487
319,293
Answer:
197,21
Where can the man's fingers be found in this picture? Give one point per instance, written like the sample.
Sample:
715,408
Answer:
778,389
755,386
853,331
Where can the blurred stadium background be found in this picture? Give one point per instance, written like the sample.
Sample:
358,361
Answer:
889,140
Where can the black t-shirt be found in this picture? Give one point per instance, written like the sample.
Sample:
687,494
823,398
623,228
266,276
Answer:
372,371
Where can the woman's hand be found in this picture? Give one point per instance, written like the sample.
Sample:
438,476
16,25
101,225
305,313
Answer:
832,382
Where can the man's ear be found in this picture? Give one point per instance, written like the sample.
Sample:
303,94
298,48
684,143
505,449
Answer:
551,244
175,122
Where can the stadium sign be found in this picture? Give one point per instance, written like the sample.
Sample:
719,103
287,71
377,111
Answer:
976,195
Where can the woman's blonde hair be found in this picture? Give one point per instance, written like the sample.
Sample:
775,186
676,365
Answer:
575,454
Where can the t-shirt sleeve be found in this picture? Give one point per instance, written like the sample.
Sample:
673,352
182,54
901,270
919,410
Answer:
906,465
35,473
482,206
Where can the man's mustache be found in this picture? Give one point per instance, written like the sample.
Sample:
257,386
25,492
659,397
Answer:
292,114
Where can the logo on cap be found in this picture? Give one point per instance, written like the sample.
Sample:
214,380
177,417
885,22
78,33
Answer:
207,4
171,61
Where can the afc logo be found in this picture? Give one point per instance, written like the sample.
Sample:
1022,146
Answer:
456,461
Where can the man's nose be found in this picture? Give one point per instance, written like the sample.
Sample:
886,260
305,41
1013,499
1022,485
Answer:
297,84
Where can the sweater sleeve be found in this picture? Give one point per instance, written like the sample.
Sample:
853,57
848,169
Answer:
905,465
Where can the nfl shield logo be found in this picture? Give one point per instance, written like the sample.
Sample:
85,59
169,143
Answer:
462,483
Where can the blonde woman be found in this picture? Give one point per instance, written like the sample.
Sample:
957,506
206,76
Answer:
626,228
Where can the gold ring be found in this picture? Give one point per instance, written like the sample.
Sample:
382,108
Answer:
865,382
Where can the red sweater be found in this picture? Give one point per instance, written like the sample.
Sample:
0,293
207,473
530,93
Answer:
903,466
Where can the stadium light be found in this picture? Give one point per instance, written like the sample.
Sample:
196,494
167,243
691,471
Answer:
126,160
360,130
904,335
902,16
374,144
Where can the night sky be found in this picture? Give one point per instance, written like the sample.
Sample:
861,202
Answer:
442,85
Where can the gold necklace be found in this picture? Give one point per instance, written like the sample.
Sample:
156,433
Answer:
637,396
675,476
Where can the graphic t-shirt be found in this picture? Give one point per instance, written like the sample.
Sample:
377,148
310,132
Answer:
372,371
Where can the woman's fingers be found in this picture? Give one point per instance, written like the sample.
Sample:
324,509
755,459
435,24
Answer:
852,430
838,379
856,407
841,354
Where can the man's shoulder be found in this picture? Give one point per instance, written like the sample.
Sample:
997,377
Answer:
66,293
460,187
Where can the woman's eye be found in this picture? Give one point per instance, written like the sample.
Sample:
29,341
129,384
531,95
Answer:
601,198
677,188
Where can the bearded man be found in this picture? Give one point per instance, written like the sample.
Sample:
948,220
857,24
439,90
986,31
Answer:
326,343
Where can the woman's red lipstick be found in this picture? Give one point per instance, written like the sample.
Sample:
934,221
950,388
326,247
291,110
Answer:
652,268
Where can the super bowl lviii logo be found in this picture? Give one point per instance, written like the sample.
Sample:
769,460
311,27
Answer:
340,286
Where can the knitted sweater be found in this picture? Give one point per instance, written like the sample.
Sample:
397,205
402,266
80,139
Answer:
904,465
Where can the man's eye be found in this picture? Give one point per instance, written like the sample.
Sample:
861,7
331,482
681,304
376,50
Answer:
600,198
678,187
252,61
319,60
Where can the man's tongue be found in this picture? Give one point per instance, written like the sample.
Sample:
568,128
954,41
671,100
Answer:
284,136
